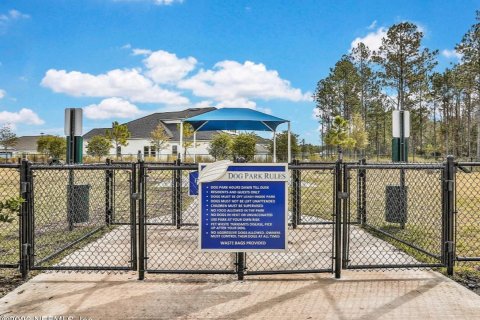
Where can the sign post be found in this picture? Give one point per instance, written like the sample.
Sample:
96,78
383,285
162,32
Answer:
73,131
400,135
243,207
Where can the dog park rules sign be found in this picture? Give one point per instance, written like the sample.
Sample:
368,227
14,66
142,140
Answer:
243,207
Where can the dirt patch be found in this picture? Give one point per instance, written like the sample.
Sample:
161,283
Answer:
9,280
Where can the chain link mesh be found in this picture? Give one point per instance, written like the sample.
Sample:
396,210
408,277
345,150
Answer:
310,243
9,229
468,211
400,222
170,247
70,219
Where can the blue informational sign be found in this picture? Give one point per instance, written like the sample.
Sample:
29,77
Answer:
244,208
193,183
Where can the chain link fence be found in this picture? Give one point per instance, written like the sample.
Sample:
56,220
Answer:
10,223
142,216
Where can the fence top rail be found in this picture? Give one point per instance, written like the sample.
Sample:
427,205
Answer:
82,167
171,167
411,166
468,164
9,166
312,167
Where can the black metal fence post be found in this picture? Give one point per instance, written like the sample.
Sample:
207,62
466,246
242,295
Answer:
362,193
295,192
449,215
108,194
141,220
133,214
338,218
241,265
345,214
25,227
178,197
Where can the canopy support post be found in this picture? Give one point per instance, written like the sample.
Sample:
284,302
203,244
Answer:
274,146
289,144
181,140
195,146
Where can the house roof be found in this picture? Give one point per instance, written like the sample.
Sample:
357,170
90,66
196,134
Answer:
26,143
142,127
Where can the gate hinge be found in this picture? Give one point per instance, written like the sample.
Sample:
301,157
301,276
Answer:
450,246
24,186
26,247
342,195
137,196
449,184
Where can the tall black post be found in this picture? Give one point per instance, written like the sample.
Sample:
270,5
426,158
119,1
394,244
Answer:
345,215
449,221
141,221
178,200
25,226
295,192
108,194
338,219
133,215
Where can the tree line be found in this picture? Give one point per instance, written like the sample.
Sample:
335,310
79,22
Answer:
365,86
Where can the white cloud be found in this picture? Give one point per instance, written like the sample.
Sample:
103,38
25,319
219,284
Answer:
372,25
8,18
372,40
316,113
125,83
24,116
13,15
3,93
230,81
156,2
138,52
112,108
167,2
166,67
451,54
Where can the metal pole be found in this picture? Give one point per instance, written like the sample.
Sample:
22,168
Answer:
274,146
194,146
178,199
450,217
108,199
133,215
25,221
181,140
338,218
141,221
289,144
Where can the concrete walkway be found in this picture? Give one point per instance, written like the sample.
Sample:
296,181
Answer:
359,295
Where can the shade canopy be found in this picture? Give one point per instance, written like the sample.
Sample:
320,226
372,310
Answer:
235,119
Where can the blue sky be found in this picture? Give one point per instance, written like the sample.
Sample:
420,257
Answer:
120,59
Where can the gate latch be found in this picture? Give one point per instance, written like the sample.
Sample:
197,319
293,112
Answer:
24,187
136,196
343,195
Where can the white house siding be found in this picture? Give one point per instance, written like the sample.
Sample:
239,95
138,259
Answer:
135,145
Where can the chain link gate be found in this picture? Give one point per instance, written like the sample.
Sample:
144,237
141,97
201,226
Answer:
169,232
398,216
10,244
341,216
467,209
70,219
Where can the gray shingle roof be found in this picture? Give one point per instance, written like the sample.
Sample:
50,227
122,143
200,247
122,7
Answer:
26,143
142,127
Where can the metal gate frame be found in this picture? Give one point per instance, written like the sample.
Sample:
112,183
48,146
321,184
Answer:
447,257
28,214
